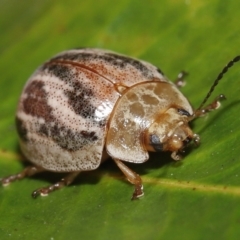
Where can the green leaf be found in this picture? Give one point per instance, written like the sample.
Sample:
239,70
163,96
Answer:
197,198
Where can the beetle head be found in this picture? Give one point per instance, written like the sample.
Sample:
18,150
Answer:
170,132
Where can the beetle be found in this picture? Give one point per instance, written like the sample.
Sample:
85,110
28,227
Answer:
86,105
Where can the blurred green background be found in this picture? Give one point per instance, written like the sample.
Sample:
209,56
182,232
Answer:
198,198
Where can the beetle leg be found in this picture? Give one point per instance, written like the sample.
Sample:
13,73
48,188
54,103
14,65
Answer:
27,172
180,82
44,191
133,178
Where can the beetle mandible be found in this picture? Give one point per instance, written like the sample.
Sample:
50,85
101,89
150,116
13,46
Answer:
85,105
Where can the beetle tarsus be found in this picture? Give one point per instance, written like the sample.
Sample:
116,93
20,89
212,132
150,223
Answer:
58,185
138,192
180,82
36,193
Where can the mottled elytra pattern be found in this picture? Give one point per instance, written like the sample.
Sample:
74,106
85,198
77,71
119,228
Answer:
66,138
36,103
79,96
113,59
65,106
114,67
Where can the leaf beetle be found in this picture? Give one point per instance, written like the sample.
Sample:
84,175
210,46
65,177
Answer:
86,105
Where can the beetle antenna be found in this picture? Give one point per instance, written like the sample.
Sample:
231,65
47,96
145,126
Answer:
219,77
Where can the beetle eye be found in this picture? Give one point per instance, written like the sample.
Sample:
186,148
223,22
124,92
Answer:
183,112
155,143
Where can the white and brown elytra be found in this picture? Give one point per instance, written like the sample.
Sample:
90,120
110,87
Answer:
85,105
